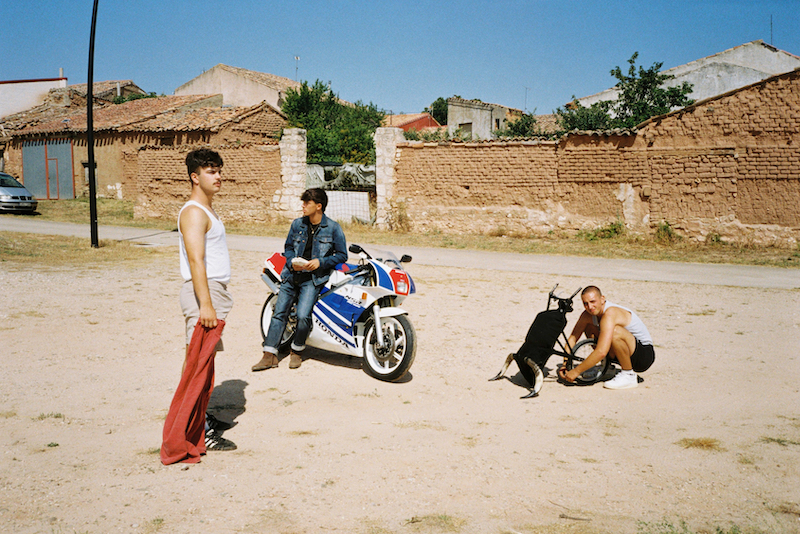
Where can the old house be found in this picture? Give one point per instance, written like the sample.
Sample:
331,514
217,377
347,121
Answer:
46,148
477,118
722,72
19,95
239,87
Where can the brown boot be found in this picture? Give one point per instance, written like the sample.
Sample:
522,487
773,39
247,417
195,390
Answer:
268,361
295,359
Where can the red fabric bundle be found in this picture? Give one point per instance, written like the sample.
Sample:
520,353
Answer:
184,429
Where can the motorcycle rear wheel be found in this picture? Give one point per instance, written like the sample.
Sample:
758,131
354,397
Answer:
393,361
266,317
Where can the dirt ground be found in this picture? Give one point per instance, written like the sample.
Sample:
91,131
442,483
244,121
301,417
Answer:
92,357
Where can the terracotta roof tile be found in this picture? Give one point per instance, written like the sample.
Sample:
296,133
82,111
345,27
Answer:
160,114
107,117
108,90
400,120
270,80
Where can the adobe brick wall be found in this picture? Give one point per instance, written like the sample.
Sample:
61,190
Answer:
728,166
251,172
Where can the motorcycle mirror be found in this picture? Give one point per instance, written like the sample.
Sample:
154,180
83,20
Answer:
355,249
405,259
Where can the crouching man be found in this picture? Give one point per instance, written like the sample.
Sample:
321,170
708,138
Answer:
620,334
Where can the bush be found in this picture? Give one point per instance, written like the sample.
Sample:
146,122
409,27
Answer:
666,234
610,230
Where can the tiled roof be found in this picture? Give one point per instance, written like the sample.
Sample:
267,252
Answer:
548,123
107,88
278,83
403,119
58,104
108,117
480,102
160,114
212,119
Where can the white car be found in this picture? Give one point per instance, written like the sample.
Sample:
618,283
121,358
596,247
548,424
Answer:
14,197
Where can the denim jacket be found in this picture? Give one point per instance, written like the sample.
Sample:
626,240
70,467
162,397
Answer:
329,247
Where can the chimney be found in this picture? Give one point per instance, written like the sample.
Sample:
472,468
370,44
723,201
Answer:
61,72
119,92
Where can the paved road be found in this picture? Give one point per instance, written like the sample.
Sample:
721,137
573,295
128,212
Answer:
590,268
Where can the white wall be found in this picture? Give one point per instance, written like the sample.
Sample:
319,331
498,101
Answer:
16,96
728,70
235,90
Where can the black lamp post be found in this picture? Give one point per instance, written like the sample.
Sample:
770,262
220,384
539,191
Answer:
90,134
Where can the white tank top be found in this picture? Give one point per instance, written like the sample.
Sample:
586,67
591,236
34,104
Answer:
636,327
218,263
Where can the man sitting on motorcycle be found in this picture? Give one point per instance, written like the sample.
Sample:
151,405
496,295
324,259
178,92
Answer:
314,246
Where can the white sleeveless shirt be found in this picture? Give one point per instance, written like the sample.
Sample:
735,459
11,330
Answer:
636,327
218,263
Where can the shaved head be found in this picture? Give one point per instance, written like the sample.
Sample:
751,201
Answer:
591,289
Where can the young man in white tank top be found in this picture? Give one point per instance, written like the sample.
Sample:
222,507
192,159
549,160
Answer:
205,264
619,333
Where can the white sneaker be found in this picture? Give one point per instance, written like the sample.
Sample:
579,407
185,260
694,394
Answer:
623,380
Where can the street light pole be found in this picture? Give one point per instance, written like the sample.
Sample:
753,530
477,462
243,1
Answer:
90,134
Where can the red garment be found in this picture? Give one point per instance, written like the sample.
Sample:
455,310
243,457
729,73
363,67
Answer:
184,429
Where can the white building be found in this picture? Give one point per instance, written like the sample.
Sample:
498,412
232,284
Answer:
725,71
19,95
239,87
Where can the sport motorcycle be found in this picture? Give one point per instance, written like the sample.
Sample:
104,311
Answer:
357,312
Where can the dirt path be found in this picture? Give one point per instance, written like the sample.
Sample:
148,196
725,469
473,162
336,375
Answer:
92,359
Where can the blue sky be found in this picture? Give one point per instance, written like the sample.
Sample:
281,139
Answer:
400,55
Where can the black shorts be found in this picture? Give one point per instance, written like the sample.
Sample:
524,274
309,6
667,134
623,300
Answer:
643,357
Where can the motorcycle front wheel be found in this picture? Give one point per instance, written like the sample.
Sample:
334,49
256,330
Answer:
266,317
391,362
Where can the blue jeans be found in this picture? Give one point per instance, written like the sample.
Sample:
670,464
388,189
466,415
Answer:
305,295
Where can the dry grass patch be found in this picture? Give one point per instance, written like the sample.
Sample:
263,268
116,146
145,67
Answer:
420,425
51,415
780,441
58,251
436,522
614,245
298,433
706,444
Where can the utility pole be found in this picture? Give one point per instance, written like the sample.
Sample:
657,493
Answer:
296,66
525,108
90,134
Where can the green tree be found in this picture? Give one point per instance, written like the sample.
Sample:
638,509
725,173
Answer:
525,126
641,96
438,110
577,117
335,132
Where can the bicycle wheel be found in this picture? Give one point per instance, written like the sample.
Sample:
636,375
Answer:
580,352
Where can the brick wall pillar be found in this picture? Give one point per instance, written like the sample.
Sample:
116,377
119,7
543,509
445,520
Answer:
386,140
286,200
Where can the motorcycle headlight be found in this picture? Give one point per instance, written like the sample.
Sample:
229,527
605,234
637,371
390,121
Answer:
400,280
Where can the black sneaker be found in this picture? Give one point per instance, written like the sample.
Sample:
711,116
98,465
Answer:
216,424
215,442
